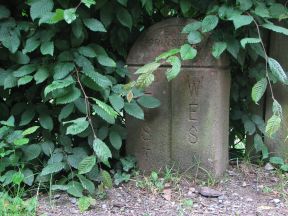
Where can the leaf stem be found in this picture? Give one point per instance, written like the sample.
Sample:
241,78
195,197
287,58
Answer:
87,103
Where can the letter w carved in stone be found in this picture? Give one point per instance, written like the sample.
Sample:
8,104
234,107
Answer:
194,85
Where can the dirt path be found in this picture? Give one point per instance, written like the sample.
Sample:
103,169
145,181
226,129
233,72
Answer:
244,191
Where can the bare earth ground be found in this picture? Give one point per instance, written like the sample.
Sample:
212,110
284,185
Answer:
246,190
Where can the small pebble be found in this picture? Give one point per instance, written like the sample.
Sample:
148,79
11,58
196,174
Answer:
244,184
56,196
276,201
73,200
268,167
74,211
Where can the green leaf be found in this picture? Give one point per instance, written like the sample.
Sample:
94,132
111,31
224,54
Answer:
87,51
48,147
176,66
87,184
27,117
86,164
249,127
123,2
30,130
58,16
46,121
124,17
117,102
258,90
245,41
128,163
24,80
57,84
209,23
28,177
148,68
106,179
10,122
88,3
10,82
47,48
70,15
73,94
187,52
4,12
241,20
258,143
21,142
262,11
65,111
193,26
275,28
94,25
24,70
31,44
78,155
144,80
75,189
284,167
194,37
40,8
62,69
52,168
84,202
108,109
17,178
218,48
277,70
102,151
78,126
121,177
106,61
31,151
41,75
244,5
163,55
277,160
277,9
19,57
148,101
273,125
115,139
103,114
276,108
134,110
98,78
185,5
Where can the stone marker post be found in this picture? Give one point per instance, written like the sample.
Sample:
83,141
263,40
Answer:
191,125
278,145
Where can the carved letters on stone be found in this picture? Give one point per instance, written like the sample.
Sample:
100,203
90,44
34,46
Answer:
192,121
194,86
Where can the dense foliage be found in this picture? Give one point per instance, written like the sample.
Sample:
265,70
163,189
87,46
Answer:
62,81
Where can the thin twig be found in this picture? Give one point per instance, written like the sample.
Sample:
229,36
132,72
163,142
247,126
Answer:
87,103
266,56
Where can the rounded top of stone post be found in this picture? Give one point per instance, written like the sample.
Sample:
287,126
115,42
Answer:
167,35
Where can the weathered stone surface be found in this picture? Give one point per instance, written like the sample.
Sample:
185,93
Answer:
167,35
190,129
149,140
200,116
278,145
